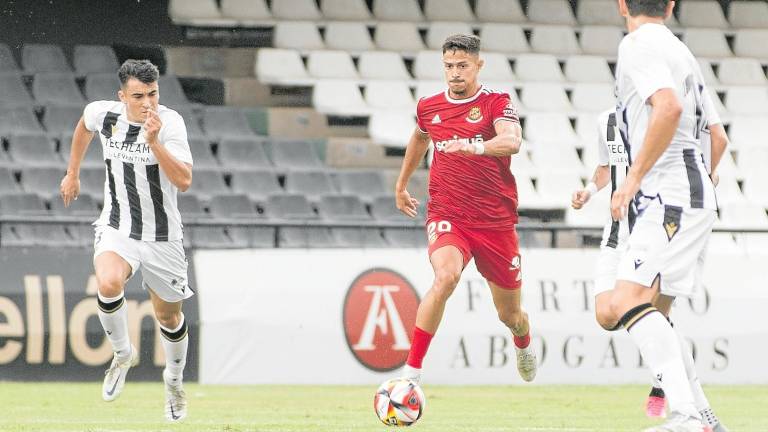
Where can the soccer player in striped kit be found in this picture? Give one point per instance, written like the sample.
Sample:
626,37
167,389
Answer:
148,161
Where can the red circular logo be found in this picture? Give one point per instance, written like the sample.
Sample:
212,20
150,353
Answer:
379,315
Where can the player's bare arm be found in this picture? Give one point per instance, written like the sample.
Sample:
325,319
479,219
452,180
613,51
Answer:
508,139
70,184
665,116
178,172
414,154
600,178
719,141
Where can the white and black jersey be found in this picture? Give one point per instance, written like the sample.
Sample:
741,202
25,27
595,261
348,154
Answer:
650,59
613,154
139,200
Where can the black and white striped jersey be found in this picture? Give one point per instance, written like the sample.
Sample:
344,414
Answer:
613,154
139,200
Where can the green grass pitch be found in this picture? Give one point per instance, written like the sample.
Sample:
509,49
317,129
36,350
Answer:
78,407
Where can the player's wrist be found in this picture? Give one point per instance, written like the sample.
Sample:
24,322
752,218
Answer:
591,188
479,148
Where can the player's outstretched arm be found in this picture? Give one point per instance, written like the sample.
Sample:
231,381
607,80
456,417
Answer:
70,184
600,178
178,172
508,139
665,117
414,154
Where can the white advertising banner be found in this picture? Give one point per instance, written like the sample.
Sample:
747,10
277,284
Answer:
344,316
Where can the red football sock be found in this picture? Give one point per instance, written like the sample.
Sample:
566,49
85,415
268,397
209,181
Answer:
522,341
419,346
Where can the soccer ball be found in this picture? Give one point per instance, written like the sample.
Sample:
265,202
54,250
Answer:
399,402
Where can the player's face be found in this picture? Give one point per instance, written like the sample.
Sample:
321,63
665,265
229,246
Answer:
138,98
461,69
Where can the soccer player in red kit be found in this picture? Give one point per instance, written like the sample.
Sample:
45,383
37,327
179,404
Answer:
472,210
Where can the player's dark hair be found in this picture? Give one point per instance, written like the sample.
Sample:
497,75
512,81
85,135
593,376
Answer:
651,8
461,42
142,70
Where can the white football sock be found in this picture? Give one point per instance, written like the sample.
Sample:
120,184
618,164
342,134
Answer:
113,315
175,343
412,373
660,349
700,399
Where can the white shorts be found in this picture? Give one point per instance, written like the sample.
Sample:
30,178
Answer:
163,264
668,242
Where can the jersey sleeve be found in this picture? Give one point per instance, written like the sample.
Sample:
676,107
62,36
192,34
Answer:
712,116
419,120
503,109
602,141
641,62
173,135
91,115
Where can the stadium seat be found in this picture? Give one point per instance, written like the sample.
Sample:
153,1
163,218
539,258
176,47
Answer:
17,204
743,215
43,234
7,60
296,10
751,43
258,237
92,181
354,10
554,39
507,11
521,162
18,119
429,88
389,95
366,185
338,97
59,119
742,71
224,121
34,149
398,36
258,185
599,12
754,186
601,40
212,237
94,156
496,68
549,127
448,10
545,97
191,121
291,206
202,155
89,59
171,93
587,128
397,10
235,206
58,88
748,14
382,65
438,31
37,58
243,154
428,65
589,97
702,14
348,36
281,66
747,100
504,38
13,91
43,181
747,131
727,166
527,196
538,67
594,214
305,237
101,87
588,69
728,190
558,157
707,42
84,205
551,12
405,237
198,13
753,159
295,154
311,184
342,208
556,187
719,107
301,35
328,64
709,74
391,128
208,183
246,12
8,183
190,206
383,209
357,237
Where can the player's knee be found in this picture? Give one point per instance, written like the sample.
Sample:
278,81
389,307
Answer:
605,316
445,282
110,286
168,319
512,317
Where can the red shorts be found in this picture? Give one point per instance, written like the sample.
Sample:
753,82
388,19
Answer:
496,252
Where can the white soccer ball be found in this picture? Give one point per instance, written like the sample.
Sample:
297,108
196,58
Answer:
399,402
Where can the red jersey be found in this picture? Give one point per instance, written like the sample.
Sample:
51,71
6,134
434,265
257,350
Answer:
476,191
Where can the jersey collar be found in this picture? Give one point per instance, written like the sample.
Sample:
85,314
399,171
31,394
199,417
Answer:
463,101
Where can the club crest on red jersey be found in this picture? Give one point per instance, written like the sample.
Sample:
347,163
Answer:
474,115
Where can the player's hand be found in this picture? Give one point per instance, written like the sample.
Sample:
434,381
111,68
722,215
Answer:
580,197
69,189
715,178
406,204
623,196
152,126
455,146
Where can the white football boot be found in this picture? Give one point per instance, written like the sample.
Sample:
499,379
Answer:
114,377
711,419
175,399
680,423
526,363
411,373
